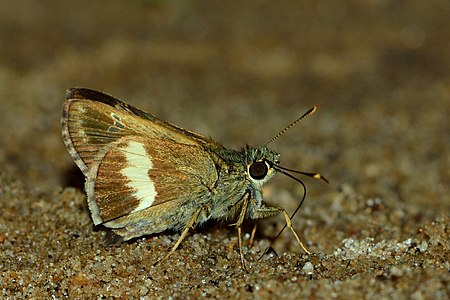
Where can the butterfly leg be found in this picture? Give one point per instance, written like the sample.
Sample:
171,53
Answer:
289,225
238,225
267,211
252,235
188,226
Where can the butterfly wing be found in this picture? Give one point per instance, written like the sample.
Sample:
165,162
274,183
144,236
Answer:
133,160
91,120
137,173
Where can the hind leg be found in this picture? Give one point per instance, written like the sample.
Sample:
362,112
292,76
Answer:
188,226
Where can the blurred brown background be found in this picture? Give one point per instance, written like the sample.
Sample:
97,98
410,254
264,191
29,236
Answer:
239,72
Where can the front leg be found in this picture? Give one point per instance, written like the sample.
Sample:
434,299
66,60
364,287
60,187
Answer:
268,211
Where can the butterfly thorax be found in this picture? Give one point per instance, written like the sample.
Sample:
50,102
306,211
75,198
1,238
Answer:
241,173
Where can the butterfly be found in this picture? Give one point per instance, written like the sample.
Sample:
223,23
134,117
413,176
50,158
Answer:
145,176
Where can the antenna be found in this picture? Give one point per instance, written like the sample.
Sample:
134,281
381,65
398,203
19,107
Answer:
306,114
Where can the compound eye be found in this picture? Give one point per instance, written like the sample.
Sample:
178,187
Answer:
258,170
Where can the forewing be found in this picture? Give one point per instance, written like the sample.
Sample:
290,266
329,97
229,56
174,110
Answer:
92,120
135,173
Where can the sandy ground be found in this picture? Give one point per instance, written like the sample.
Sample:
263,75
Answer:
238,72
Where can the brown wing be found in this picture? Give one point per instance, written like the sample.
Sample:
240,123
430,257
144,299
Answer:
92,120
136,173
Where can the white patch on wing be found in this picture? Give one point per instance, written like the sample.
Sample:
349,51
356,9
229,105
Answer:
139,164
